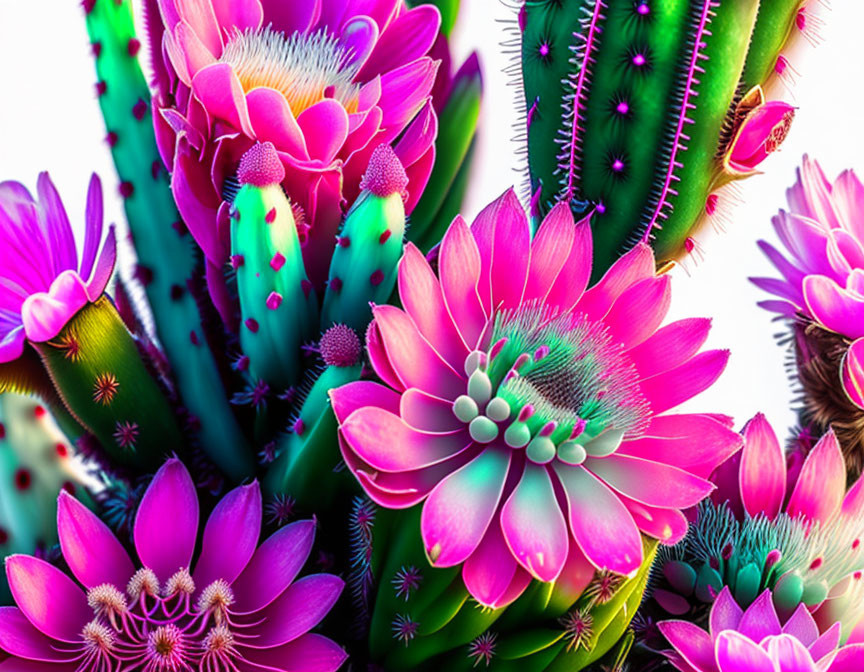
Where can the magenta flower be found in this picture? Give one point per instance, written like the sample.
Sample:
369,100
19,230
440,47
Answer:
823,271
755,641
529,413
759,133
325,82
43,282
240,609
755,481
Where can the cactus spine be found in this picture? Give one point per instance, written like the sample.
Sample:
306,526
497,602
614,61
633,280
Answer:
167,260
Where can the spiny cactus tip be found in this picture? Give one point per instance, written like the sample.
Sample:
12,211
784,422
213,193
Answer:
260,166
385,174
340,346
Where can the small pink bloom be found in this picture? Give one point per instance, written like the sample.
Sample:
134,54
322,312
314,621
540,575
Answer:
759,132
853,373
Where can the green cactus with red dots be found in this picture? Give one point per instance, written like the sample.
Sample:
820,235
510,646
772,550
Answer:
631,106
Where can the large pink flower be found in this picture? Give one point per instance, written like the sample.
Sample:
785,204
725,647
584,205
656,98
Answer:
529,413
823,270
43,281
755,641
240,609
325,82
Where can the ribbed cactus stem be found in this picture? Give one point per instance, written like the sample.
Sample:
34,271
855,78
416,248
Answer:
166,256
97,370
363,268
277,305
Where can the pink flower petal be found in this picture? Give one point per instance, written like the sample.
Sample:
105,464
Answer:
166,524
200,16
325,128
849,659
550,249
274,566
421,296
639,310
93,224
50,600
827,642
44,314
669,346
240,14
403,93
601,524
790,272
802,626
348,398
379,359
308,653
197,56
725,613
818,494
408,38
853,502
669,526
11,345
504,239
459,266
691,642
817,191
852,373
385,442
405,348
763,469
736,653
490,569
221,93
230,536
671,388
427,413
91,550
418,174
635,265
288,17
104,268
534,525
847,195
790,654
458,511
19,638
273,121
358,38
296,611
650,482
419,136
760,619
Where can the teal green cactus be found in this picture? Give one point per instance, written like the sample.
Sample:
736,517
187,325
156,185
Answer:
36,461
98,373
363,268
167,259
278,307
649,91
423,618
457,126
306,455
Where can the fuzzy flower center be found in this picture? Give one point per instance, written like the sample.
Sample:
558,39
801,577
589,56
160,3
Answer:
305,67
555,385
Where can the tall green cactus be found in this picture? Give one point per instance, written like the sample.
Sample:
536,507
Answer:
630,104
167,259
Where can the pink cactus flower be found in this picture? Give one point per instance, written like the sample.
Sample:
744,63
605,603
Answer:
529,413
755,641
325,82
239,609
755,480
823,270
43,281
759,133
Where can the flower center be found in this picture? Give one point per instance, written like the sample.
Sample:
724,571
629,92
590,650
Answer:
305,68
556,385
166,648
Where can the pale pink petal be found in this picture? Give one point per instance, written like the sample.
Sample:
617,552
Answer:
635,265
802,626
601,524
534,525
325,129
378,357
650,482
197,56
671,388
736,653
847,195
790,654
639,310
44,314
200,16
458,511
50,600
348,398
427,413
691,642
762,476
166,524
818,494
459,266
91,550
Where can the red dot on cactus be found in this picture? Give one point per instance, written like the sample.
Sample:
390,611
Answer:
155,169
69,487
816,564
127,189
781,65
622,108
23,479
376,278
801,19
242,363
193,338
639,60
96,48
143,274
261,166
111,138
601,208
384,237
711,204
180,228
689,244
237,261
251,325
101,88
133,46
335,284
2,431
343,241
270,217
274,300
176,292
340,346
39,412
4,536
384,174
306,286
61,450
88,5
278,261
139,109
299,426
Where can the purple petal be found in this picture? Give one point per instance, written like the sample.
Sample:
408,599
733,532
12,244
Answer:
11,344
49,599
408,38
358,37
852,373
91,550
790,654
230,536
459,266
836,308
19,638
104,267
288,17
274,566
763,469
307,653
725,613
458,511
692,643
296,611
166,524
56,224
818,493
240,14
93,225
534,525
760,619
736,653
802,626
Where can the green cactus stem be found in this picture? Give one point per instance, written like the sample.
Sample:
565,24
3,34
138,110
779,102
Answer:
98,372
369,246
277,305
457,126
167,258
648,90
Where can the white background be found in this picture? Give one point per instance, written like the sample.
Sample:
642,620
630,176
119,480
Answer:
49,119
